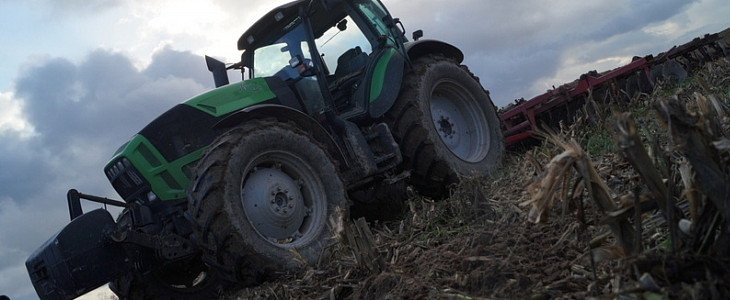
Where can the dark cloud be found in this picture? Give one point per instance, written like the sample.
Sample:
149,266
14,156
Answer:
105,98
81,113
509,74
639,13
22,171
510,45
178,64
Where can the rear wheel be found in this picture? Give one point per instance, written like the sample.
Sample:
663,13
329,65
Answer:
446,125
262,200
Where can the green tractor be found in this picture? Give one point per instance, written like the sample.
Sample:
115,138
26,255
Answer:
244,182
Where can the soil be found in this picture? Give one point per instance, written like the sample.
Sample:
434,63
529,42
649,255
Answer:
480,242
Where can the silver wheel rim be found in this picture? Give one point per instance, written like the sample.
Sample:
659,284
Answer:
460,121
283,199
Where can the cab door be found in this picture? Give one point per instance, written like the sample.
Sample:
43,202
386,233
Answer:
385,73
364,60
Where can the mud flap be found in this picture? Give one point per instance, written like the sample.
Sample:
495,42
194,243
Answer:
78,259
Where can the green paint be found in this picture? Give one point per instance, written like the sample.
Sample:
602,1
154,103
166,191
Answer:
232,97
376,84
167,179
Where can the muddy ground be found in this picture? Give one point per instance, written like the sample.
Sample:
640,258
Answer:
483,242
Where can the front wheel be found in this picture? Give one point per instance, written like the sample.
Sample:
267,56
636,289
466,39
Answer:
445,124
187,279
262,201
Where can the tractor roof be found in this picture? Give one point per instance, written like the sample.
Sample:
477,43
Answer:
274,24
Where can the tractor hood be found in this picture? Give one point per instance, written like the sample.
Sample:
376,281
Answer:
162,155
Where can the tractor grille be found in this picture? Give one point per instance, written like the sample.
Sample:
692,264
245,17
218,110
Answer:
126,180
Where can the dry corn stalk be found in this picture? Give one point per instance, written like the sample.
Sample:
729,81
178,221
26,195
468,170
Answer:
543,192
632,147
693,136
359,239
723,144
694,142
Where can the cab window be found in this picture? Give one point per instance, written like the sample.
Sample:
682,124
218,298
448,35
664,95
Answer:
335,42
374,13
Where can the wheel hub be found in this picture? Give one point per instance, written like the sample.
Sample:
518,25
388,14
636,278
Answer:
446,128
459,121
274,204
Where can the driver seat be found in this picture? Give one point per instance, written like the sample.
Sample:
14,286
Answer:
352,61
349,67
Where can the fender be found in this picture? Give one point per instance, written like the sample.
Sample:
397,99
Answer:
387,74
384,82
286,114
424,47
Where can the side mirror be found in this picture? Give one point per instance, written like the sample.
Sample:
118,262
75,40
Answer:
295,61
342,25
218,68
417,34
302,65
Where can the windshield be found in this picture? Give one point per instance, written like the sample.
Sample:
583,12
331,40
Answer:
273,60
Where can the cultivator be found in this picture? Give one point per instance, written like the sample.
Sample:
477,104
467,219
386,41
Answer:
642,75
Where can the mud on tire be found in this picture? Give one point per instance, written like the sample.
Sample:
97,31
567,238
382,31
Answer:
446,125
261,201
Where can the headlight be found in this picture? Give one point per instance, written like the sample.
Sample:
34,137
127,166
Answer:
151,196
126,180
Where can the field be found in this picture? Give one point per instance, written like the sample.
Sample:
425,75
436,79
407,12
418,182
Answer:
558,219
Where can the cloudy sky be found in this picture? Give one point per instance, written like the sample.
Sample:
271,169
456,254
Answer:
80,77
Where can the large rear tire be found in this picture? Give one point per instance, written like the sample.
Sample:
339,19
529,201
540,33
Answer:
445,124
262,200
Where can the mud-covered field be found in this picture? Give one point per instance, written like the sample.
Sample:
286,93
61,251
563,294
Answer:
558,219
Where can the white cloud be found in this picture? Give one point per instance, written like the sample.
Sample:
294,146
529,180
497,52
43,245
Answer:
11,117
179,17
205,28
666,29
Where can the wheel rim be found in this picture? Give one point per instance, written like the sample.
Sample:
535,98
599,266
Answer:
460,121
283,199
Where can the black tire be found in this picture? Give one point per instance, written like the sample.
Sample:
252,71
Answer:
445,124
185,279
244,176
189,279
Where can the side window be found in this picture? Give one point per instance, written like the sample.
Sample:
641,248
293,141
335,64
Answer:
374,13
335,42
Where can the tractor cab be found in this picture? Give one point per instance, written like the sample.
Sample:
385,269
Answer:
340,56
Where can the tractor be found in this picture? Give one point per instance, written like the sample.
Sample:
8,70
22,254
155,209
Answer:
336,109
